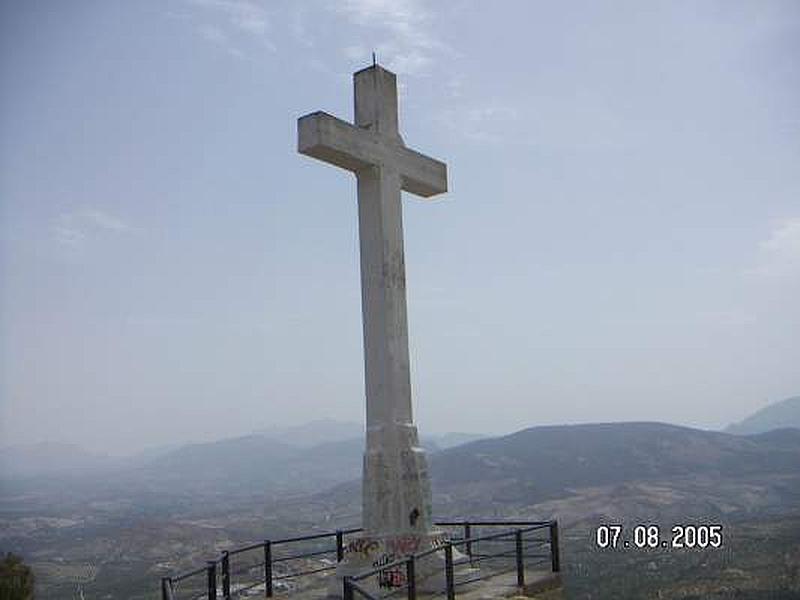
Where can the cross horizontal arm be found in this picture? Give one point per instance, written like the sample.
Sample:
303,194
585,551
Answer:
332,140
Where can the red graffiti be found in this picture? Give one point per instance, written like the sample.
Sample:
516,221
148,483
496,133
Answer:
391,578
403,545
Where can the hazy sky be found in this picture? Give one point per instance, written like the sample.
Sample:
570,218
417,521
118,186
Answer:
621,240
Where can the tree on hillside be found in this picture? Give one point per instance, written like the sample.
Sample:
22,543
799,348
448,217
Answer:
16,579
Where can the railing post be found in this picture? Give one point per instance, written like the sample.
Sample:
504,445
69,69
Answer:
520,563
448,571
467,535
267,569
348,588
411,580
339,546
166,588
226,575
211,569
554,556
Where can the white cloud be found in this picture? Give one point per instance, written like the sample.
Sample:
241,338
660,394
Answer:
103,220
400,15
241,14
407,44
236,22
65,233
73,228
785,240
298,25
213,34
779,254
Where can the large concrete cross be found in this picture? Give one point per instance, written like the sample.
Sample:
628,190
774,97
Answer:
396,488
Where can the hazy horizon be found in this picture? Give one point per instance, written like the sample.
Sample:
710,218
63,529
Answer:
278,432
620,242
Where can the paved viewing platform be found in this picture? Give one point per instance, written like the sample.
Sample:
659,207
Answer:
471,559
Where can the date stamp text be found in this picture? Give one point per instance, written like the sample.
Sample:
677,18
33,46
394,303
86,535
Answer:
652,536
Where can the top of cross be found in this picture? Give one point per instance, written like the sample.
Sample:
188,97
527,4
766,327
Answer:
374,139
376,101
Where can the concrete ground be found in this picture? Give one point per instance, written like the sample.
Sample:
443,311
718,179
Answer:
540,585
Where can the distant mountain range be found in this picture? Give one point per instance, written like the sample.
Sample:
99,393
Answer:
558,457
321,431
533,465
584,473
785,413
300,458
314,432
329,447
542,463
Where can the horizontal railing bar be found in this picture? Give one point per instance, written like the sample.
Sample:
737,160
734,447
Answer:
248,568
535,528
247,588
482,557
507,555
497,555
396,563
477,578
316,536
491,536
511,533
187,575
499,535
490,523
402,561
306,555
301,573
302,538
423,554
246,548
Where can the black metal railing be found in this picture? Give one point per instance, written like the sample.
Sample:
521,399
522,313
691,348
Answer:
271,565
289,564
439,576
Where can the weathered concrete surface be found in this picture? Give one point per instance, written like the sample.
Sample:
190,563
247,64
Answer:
396,486
541,585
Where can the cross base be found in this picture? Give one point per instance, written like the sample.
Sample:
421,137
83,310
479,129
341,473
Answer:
367,552
396,489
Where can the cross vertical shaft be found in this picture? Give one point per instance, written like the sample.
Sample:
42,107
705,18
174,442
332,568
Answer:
383,298
396,487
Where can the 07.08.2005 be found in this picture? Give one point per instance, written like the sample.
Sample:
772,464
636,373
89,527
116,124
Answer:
644,536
